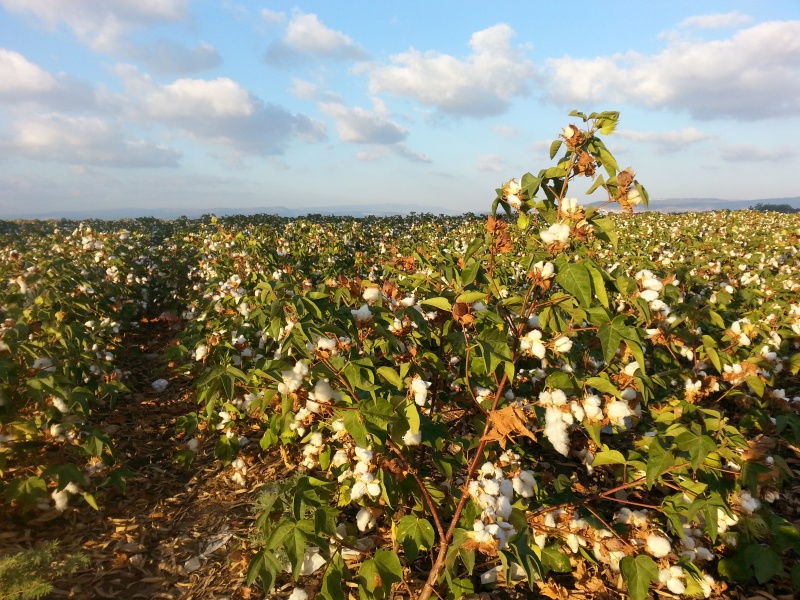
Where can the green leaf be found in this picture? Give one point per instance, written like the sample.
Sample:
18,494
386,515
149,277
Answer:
763,561
439,302
391,376
555,560
354,424
226,449
698,446
659,460
598,285
459,588
470,272
609,457
471,297
575,278
414,534
709,345
554,148
601,384
26,491
264,566
637,573
610,335
376,575
333,581
527,559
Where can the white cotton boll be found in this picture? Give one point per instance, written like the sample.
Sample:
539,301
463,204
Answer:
358,490
524,484
412,439
371,294
200,352
326,344
192,444
577,410
506,488
365,520
558,398
628,393
374,489
363,454
556,233
238,464
658,546
748,503
555,430
649,295
362,315
562,345
491,486
340,458
61,405
618,412
298,594
631,368
676,586
664,575
323,392
651,283
503,507
159,385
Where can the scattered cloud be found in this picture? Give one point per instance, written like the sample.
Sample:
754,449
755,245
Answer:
219,111
751,153
100,25
308,37
481,85
273,17
305,90
716,21
83,141
506,131
166,57
491,163
666,141
753,74
399,149
359,126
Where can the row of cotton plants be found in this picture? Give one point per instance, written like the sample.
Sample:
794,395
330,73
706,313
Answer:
550,386
68,292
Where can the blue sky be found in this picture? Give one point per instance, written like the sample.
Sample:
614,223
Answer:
199,104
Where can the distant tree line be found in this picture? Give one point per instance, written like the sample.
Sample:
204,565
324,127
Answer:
779,208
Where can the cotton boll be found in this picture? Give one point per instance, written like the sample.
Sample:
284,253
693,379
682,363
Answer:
555,430
491,486
658,546
371,294
676,586
298,594
374,489
365,520
358,490
412,439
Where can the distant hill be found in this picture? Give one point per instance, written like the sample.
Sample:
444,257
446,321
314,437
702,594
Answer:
701,204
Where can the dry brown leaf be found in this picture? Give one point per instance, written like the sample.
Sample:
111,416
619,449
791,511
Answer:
505,423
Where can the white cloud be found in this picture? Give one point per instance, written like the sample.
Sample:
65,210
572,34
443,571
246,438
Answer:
753,74
83,141
400,149
218,112
752,153
20,78
360,126
412,155
483,84
716,21
506,131
308,37
166,57
273,17
200,98
305,90
491,163
666,141
101,25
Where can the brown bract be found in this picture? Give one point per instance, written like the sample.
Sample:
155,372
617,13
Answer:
462,313
585,165
506,423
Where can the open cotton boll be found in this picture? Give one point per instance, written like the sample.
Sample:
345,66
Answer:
362,316
657,546
555,430
371,294
491,575
412,439
556,233
365,519
298,594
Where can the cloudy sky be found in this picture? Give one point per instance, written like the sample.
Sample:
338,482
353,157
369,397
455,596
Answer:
187,105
